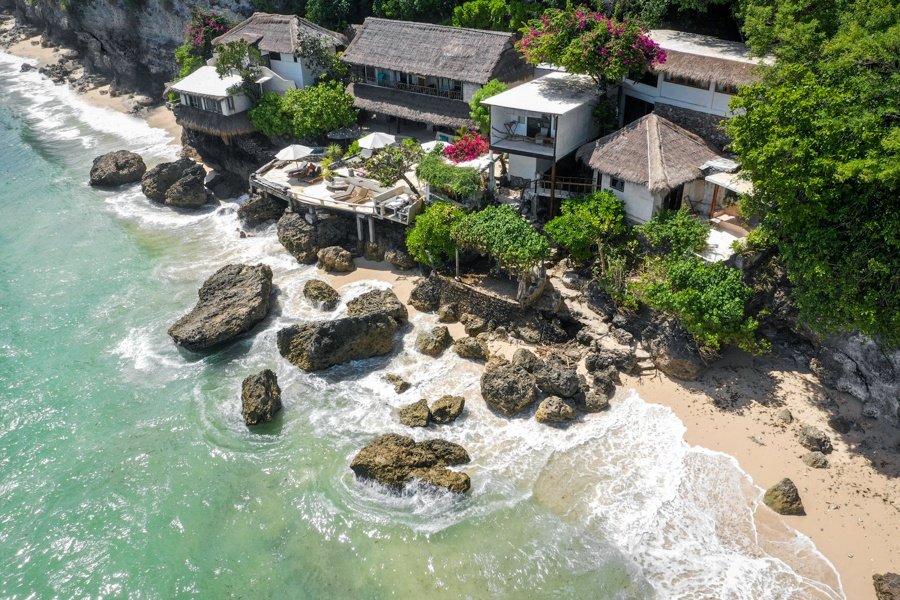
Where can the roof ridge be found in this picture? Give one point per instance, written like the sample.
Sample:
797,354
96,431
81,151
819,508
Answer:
656,171
503,34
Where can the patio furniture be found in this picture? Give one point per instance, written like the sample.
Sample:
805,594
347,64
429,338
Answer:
344,196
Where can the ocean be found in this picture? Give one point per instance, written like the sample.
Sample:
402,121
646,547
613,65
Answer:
126,469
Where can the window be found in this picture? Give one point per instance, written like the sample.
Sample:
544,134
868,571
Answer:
687,81
212,105
726,88
194,101
616,184
649,78
230,102
274,56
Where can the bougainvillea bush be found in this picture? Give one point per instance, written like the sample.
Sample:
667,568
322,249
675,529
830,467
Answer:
588,42
468,147
197,46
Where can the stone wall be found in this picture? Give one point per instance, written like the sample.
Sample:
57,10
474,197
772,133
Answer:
709,127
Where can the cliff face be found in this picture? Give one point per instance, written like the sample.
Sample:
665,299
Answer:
130,42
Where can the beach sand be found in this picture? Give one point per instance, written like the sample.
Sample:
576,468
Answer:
853,507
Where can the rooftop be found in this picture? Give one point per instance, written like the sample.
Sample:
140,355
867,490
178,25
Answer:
414,107
702,45
206,82
277,33
706,58
555,94
462,54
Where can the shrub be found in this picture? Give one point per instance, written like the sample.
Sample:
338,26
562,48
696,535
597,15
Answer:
430,241
593,220
504,235
480,113
467,147
676,232
269,117
309,112
456,182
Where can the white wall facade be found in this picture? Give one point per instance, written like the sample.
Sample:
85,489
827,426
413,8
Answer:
640,204
293,68
239,103
527,167
574,129
469,90
702,100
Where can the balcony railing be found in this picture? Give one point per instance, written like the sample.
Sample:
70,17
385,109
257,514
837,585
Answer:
426,90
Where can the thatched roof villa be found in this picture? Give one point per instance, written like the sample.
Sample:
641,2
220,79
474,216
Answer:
278,33
427,73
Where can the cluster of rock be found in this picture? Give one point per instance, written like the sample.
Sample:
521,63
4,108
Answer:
303,239
442,411
434,341
180,184
396,461
260,209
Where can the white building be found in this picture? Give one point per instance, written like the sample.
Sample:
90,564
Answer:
542,121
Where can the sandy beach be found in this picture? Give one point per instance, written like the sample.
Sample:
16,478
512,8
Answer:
853,507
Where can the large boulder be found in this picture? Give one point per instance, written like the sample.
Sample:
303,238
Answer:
446,408
508,388
260,397
157,181
400,259
298,237
261,208
434,342
558,379
321,294
416,414
335,258
316,346
814,439
117,168
225,185
231,302
471,347
378,301
673,350
784,498
816,460
887,586
554,410
189,191
396,460
400,385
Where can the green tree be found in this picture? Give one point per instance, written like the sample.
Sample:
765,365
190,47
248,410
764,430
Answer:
820,139
480,113
496,15
318,109
269,117
675,232
597,219
392,163
429,240
459,183
433,11
241,59
333,14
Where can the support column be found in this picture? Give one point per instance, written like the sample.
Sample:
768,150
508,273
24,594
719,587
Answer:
372,229
360,231
492,181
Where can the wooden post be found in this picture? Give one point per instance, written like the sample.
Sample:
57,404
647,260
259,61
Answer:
594,184
492,182
712,205
456,257
552,186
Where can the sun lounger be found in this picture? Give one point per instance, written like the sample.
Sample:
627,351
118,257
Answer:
344,196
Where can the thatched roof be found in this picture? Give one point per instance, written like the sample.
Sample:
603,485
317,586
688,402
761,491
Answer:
213,123
277,33
706,58
415,107
463,54
651,151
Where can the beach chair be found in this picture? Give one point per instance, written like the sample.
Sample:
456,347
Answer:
344,196
359,195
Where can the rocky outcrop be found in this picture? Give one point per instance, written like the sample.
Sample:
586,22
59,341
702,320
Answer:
475,348
448,314
887,586
304,240
225,186
117,168
400,259
508,388
592,401
400,384
321,294
395,460
260,397
260,209
553,378
860,367
434,342
673,350
179,184
554,410
189,191
446,409
816,460
416,414
336,259
231,302
317,346
784,498
814,439
378,301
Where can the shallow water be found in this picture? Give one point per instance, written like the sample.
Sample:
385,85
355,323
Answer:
126,470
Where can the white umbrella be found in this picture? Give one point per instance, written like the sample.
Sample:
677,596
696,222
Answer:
294,152
376,140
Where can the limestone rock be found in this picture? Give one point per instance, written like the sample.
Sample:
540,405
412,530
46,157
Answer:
189,191
446,408
117,168
673,350
816,460
400,259
814,439
527,360
378,301
784,498
400,384
785,416
225,185
260,397
471,347
231,302
591,401
335,258
557,379
434,342
261,208
448,314
473,324
554,410
507,388
416,414
395,460
321,294
298,237
157,181
320,345
887,586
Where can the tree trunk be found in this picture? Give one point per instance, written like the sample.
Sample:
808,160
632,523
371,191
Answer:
409,183
602,252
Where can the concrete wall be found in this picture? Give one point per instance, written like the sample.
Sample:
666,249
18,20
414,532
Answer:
241,103
702,100
525,167
640,204
469,90
575,129
299,72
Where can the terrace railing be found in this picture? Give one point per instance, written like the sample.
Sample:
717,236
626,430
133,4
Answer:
426,90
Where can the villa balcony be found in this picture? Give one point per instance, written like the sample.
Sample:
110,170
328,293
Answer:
426,90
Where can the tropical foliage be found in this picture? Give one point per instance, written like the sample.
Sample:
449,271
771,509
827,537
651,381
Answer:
242,59
457,182
504,235
496,15
392,163
429,241
588,42
468,146
480,113
197,46
820,138
310,112
595,220
675,232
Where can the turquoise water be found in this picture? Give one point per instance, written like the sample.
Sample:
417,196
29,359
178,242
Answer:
126,470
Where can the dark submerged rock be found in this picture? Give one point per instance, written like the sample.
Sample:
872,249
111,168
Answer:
117,168
260,397
317,346
231,302
395,460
